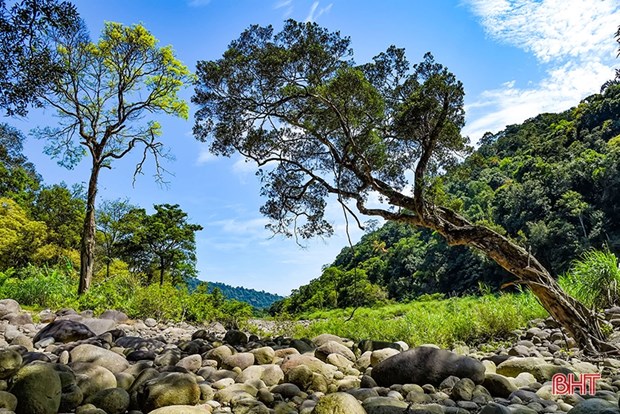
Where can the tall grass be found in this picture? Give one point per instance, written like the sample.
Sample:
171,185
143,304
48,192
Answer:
473,320
594,279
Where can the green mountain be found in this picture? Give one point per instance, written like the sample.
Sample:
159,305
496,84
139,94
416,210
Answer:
258,299
552,183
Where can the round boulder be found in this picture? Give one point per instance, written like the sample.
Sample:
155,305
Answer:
37,388
10,362
338,403
173,388
64,330
111,400
426,365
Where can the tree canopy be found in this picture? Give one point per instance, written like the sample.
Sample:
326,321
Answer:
101,97
28,65
318,125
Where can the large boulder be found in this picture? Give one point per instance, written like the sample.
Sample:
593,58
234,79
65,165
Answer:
9,306
100,356
426,365
37,388
173,388
64,330
538,367
595,406
338,403
110,400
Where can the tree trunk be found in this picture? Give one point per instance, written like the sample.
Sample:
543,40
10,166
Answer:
161,271
580,322
87,249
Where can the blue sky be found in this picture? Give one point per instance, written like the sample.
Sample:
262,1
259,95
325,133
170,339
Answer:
516,58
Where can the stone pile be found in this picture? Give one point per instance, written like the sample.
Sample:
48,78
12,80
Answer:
75,363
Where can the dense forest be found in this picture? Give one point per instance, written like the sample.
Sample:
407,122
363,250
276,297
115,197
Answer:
552,183
258,299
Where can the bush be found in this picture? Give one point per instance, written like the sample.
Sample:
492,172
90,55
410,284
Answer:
39,286
113,293
594,280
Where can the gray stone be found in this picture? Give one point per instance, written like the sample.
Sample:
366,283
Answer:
100,356
426,365
498,385
10,362
338,403
64,330
111,400
37,388
169,389
384,405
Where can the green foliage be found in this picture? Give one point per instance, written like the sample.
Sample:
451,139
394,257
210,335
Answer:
553,183
164,241
473,320
336,288
255,298
20,237
27,52
594,280
41,287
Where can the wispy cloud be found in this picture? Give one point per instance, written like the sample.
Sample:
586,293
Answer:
573,42
287,5
198,3
205,156
316,12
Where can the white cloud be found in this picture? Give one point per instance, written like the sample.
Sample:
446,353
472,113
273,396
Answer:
573,42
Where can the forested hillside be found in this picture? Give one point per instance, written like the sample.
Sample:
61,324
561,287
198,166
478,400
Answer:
258,299
552,183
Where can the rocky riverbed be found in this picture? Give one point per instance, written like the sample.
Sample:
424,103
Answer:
75,363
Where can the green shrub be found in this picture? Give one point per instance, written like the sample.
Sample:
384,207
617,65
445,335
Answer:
472,320
39,286
594,280
113,293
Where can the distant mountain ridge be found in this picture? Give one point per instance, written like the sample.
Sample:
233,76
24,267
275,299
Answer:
258,299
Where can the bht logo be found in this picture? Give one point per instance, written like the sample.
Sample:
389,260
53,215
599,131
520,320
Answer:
562,384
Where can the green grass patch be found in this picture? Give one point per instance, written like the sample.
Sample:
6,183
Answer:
445,322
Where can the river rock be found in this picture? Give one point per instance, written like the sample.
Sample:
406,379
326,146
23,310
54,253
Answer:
595,406
9,306
37,388
64,330
173,388
100,356
538,367
111,400
426,365
10,362
338,403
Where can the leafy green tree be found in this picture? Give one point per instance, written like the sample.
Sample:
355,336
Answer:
18,177
164,241
20,237
63,213
318,125
104,91
112,229
28,65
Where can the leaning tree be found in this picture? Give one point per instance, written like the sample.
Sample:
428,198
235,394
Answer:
322,128
105,91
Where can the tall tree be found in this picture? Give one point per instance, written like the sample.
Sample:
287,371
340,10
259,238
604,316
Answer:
27,50
112,228
165,241
318,125
104,91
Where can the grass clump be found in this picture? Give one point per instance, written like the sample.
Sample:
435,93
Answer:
594,280
444,322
